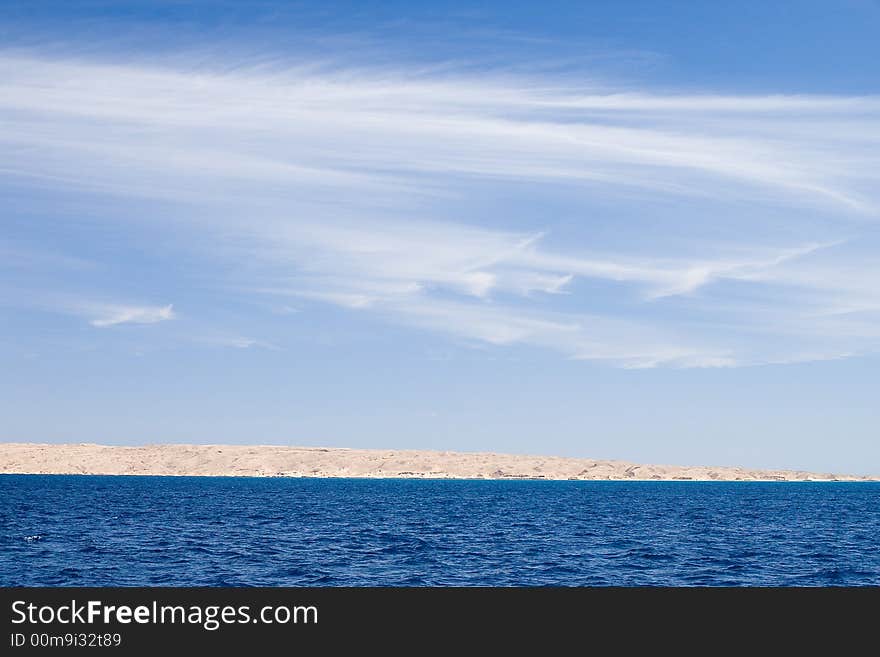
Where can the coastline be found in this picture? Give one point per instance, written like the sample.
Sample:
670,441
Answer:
338,462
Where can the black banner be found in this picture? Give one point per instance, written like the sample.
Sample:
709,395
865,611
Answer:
132,620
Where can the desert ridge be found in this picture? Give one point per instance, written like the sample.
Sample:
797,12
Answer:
282,461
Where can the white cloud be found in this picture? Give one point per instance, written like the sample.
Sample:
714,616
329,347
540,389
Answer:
373,129
357,265
236,342
112,315
581,337
333,186
17,256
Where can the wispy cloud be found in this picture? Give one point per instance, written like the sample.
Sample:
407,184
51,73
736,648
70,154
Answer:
581,337
347,128
113,315
18,256
390,259
345,186
237,342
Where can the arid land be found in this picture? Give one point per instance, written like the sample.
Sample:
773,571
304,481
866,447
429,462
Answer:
279,461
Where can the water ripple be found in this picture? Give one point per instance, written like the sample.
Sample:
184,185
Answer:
99,531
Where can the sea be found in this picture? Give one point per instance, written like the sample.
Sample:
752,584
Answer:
237,531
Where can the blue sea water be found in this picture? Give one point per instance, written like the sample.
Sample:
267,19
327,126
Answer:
218,531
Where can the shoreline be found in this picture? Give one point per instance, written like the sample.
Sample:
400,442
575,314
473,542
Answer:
844,479
271,461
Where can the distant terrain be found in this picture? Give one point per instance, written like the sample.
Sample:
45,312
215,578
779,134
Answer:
277,461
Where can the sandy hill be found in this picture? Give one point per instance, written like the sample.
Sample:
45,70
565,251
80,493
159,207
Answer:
276,461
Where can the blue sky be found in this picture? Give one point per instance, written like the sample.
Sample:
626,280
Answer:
607,229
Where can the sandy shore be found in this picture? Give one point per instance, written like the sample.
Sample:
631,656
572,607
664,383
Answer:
275,461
